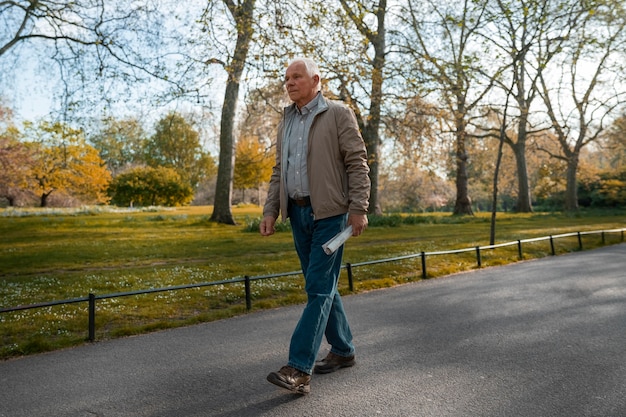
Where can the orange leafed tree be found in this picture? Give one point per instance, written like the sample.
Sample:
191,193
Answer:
253,164
64,163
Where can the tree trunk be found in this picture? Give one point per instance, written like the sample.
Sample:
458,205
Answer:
370,133
524,202
571,190
371,143
494,197
463,205
371,125
222,209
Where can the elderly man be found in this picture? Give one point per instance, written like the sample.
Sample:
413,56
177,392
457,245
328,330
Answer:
320,181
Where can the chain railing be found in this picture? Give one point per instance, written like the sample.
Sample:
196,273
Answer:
247,280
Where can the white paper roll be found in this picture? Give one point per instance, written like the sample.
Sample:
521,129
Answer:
339,239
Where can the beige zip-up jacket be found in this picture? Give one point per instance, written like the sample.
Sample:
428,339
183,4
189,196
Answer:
336,163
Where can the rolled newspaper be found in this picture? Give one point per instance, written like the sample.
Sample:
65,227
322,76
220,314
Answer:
336,241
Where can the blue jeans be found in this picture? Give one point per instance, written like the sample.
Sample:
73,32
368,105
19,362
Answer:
324,313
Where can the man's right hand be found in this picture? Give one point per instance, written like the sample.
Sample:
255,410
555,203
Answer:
267,226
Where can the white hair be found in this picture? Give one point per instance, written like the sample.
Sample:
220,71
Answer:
311,68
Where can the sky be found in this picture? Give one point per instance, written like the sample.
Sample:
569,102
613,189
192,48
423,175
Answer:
26,91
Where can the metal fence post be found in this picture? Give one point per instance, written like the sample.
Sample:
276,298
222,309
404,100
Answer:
350,279
552,245
519,250
580,242
423,265
478,260
92,317
248,293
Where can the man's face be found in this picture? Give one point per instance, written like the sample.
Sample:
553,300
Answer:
300,86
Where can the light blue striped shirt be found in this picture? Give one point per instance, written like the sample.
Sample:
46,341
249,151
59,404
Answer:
297,134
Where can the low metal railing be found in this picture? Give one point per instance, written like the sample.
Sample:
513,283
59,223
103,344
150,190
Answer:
247,280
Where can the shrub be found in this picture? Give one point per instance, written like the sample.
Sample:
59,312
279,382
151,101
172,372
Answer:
146,186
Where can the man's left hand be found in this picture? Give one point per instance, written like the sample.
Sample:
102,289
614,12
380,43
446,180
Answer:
358,223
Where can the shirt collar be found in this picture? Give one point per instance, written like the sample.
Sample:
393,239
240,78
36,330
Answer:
310,106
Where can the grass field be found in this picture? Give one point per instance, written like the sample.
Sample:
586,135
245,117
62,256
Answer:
65,254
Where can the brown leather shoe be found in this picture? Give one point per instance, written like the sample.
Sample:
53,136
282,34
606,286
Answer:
291,379
333,362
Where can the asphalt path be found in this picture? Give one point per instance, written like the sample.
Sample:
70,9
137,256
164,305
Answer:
537,338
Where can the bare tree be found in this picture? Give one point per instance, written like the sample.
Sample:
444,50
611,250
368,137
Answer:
587,92
527,34
52,21
242,14
441,46
94,47
375,35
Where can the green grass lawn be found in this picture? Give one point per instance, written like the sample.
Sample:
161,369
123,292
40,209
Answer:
65,254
